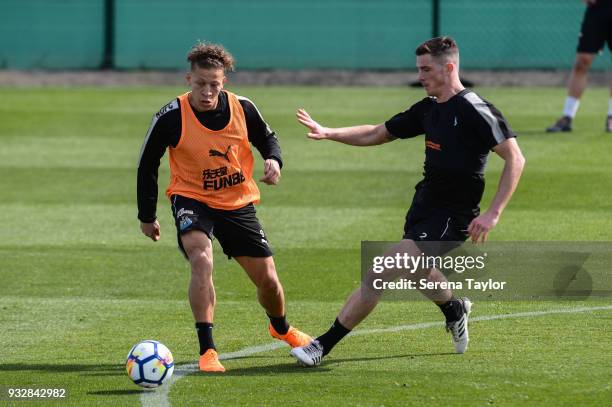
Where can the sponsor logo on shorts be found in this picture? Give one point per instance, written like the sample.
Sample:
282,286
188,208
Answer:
183,211
185,222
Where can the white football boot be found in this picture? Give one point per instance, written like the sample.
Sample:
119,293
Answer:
459,328
309,355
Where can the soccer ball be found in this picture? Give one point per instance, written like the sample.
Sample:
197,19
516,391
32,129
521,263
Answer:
149,364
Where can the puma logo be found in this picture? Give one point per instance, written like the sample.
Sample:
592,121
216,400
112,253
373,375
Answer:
215,153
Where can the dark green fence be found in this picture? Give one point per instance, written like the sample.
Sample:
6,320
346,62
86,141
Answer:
515,34
287,34
273,33
51,34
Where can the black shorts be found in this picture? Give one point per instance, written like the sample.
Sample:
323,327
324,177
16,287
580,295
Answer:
596,28
238,230
427,224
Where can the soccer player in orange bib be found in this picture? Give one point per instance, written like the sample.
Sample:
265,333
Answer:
208,132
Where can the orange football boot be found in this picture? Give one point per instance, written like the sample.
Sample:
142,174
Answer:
293,337
209,362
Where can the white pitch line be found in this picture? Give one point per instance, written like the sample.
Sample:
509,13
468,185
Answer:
159,397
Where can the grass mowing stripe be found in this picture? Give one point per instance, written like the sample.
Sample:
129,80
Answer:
100,224
159,398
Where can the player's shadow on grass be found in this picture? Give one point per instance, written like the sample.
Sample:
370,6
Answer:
332,360
89,370
294,368
124,392
269,370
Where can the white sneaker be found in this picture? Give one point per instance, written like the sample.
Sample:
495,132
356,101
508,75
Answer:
459,328
309,355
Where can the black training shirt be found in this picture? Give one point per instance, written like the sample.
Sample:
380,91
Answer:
459,134
165,131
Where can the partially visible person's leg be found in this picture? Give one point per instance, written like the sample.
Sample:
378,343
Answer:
575,89
591,39
579,77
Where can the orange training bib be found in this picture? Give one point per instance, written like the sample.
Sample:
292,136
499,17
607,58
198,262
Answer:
213,167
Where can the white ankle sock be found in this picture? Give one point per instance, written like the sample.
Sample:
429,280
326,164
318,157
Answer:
571,106
610,107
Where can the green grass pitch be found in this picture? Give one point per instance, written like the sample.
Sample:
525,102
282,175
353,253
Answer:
80,284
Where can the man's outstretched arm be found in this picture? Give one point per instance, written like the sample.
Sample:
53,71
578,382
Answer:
364,135
513,168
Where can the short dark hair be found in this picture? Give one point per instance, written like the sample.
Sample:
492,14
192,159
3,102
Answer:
206,55
439,47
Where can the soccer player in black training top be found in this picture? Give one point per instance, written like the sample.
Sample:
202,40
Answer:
208,132
460,129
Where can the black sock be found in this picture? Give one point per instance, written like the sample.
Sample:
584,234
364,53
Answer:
279,324
334,335
204,330
452,310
